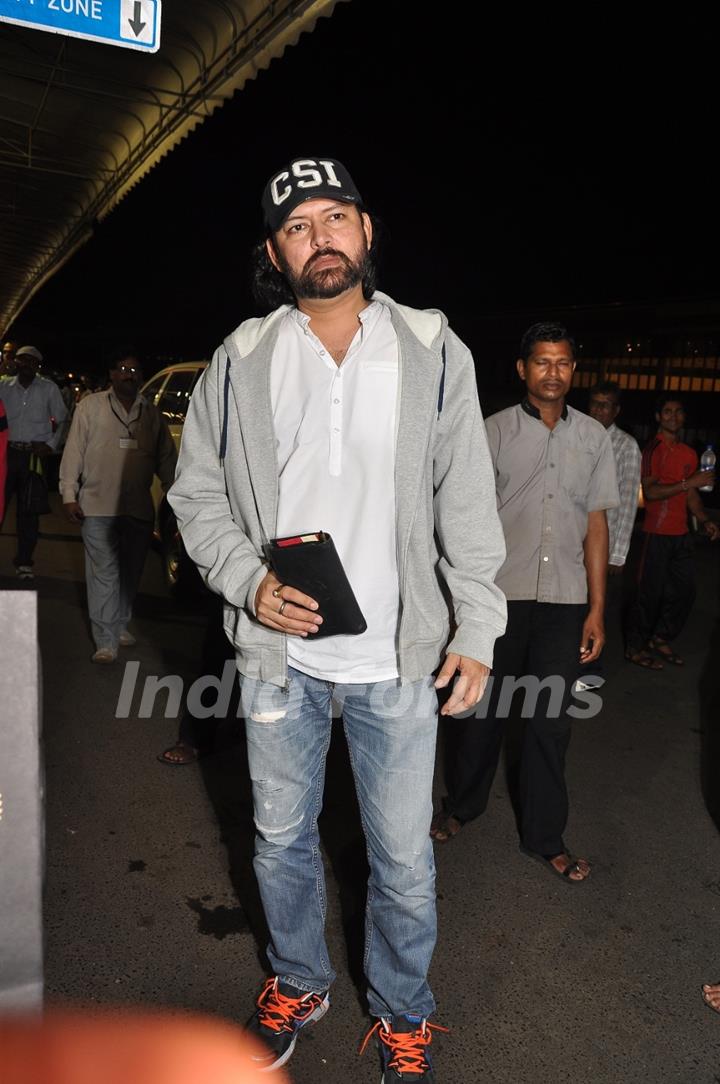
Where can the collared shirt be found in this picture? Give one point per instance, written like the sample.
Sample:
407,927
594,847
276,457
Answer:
335,428
34,413
111,456
627,467
547,482
668,462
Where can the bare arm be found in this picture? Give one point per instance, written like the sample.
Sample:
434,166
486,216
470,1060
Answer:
697,508
660,491
596,561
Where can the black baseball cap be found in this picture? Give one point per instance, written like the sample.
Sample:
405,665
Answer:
304,179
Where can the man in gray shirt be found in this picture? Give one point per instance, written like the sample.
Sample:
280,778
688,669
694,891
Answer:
555,479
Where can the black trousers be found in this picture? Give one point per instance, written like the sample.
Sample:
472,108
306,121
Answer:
28,527
665,589
542,644
200,734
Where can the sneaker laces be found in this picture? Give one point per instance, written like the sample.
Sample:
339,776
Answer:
278,1012
407,1048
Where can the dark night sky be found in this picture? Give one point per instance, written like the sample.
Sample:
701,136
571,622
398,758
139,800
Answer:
528,166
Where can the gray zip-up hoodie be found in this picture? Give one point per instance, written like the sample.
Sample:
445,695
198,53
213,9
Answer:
448,531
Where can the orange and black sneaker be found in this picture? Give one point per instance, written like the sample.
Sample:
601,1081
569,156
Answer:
282,1010
404,1042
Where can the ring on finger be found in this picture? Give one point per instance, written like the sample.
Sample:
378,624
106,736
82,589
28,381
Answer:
277,590
283,604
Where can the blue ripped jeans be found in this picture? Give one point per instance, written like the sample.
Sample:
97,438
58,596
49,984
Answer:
391,731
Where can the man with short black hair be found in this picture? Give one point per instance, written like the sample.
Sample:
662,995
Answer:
555,480
666,581
117,442
35,414
345,411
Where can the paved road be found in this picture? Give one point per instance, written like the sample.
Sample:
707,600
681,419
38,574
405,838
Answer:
150,896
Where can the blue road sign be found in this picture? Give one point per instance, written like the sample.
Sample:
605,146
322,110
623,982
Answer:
133,24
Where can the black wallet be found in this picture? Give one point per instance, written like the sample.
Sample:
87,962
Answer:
310,563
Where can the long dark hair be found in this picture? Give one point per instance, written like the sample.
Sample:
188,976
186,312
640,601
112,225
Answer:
270,287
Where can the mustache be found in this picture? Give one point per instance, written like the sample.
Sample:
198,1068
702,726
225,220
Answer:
321,253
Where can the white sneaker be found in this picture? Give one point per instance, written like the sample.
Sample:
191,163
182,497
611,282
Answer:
126,639
105,655
25,572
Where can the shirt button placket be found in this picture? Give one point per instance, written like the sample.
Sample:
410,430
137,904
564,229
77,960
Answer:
546,541
336,428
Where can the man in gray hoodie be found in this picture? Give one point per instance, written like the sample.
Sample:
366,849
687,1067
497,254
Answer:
345,412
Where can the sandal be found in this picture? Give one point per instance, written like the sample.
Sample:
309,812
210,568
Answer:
179,754
663,649
643,659
444,826
573,865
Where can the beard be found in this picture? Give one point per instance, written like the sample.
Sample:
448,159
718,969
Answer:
327,282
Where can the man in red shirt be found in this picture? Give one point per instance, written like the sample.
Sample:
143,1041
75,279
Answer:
666,579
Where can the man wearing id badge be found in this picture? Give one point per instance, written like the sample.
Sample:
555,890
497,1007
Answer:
118,442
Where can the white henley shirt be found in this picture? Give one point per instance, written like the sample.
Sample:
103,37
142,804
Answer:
335,428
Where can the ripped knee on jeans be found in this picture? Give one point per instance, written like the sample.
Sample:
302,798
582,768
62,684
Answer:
267,716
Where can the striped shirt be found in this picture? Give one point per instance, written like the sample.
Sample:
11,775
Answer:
34,413
627,468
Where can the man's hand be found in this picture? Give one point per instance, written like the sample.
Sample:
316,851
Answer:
701,478
285,609
615,570
73,511
712,530
469,687
593,631
41,449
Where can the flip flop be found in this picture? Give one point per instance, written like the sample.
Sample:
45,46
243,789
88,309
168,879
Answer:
444,826
546,861
643,659
669,655
185,754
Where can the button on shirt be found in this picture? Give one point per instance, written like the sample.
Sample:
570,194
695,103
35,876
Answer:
547,481
31,410
335,429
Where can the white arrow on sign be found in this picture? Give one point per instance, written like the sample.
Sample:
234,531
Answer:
137,20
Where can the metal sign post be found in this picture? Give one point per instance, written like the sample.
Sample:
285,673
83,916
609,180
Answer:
132,24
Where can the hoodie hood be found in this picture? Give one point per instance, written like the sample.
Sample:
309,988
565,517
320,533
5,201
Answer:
427,325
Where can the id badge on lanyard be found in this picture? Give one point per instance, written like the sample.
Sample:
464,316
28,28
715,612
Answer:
128,443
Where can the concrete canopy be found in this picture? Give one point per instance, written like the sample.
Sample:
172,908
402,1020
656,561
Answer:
81,123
